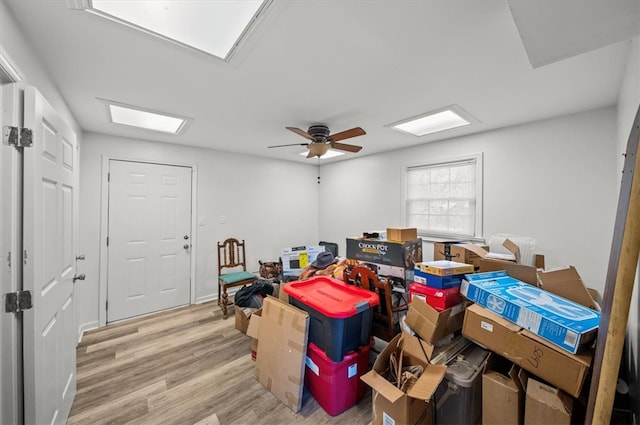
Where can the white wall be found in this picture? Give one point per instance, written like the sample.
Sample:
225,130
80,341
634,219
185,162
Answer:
628,103
554,180
271,204
20,51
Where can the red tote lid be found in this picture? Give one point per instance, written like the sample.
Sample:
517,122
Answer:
332,297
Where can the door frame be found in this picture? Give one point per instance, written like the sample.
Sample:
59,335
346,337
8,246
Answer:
11,387
104,227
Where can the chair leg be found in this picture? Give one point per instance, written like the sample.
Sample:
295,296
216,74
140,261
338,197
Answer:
219,294
225,301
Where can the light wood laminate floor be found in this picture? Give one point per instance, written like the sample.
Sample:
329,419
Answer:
183,366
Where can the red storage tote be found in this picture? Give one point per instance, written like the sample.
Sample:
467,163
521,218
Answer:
440,299
340,315
336,386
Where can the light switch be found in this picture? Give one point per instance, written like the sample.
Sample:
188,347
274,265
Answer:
223,219
201,221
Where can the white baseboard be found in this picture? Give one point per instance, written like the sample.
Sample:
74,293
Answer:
86,327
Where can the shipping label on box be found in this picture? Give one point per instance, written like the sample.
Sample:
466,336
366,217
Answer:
296,258
389,253
558,320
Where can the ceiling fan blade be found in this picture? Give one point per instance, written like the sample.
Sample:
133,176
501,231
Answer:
346,147
291,144
300,132
356,131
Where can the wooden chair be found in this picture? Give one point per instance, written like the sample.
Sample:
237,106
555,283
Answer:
232,270
384,323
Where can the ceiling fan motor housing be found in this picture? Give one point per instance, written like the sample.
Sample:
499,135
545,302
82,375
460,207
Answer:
319,132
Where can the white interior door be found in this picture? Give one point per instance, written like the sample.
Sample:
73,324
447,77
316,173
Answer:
149,238
50,237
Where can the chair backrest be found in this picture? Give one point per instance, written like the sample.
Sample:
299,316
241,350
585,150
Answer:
231,255
368,279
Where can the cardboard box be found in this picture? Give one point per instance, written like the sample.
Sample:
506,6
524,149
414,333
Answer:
390,404
281,351
503,392
253,330
546,405
296,258
243,314
456,251
402,234
399,276
389,253
435,281
566,282
555,365
432,325
560,321
444,268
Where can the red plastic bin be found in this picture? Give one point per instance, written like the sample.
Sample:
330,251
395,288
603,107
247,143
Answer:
440,299
340,315
336,386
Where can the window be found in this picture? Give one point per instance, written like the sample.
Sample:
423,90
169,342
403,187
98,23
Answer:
444,199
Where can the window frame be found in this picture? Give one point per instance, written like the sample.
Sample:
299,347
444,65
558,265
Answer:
444,236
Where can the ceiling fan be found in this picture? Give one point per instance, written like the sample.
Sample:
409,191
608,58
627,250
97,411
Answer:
322,139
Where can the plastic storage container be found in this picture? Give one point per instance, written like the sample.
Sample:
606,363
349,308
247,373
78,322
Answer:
459,396
336,386
340,315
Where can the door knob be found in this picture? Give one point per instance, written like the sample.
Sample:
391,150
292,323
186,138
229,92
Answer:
80,276
186,246
186,237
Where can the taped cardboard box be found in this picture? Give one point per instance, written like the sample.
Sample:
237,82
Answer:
457,251
560,321
503,392
392,405
281,351
547,405
523,272
243,315
402,234
553,364
432,325
253,330
566,282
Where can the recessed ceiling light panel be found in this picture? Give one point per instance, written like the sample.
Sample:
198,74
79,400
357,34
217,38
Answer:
434,121
214,27
119,113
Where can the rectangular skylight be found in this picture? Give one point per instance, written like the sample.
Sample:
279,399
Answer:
119,113
435,121
214,27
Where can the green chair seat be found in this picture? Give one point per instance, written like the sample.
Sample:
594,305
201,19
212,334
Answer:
235,277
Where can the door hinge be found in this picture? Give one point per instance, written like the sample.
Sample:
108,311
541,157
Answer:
17,137
15,302
108,177
107,240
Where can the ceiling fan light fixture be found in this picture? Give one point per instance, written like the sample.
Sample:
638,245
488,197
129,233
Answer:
435,121
318,149
329,154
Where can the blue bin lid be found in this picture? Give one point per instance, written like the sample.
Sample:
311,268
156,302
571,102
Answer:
332,297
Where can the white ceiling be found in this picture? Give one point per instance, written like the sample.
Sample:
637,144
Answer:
344,63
